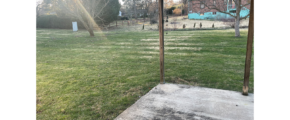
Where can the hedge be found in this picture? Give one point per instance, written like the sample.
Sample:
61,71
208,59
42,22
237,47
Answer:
53,21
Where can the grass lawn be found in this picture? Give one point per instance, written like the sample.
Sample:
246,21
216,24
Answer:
82,77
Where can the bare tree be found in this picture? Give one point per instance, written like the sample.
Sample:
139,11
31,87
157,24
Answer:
222,7
153,11
145,6
42,7
38,8
168,3
185,4
84,10
131,6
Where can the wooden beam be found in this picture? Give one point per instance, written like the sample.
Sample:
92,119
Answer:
161,41
249,50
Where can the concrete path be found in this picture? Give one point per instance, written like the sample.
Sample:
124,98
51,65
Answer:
183,102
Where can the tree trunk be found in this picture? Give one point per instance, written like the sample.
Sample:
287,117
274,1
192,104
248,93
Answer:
91,27
237,20
88,28
91,32
237,26
135,14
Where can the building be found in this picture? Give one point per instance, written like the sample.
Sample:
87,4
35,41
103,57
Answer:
206,9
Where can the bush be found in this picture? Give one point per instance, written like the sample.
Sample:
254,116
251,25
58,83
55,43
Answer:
153,21
53,21
142,16
122,18
169,11
177,11
119,17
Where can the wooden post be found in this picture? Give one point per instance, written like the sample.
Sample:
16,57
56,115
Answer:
249,50
161,41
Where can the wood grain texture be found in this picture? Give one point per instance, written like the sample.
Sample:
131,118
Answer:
249,49
161,41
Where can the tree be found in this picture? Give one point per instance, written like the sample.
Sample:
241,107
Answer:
146,5
222,7
153,11
168,4
38,8
185,4
89,12
177,11
43,6
170,11
131,6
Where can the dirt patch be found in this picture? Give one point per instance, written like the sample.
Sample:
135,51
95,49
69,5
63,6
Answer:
182,81
38,104
133,91
38,100
171,114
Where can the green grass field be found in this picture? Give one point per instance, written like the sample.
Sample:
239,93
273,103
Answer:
82,77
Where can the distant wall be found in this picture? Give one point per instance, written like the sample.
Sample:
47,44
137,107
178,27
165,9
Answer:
218,15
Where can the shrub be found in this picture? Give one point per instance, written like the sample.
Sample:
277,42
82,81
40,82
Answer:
123,18
177,11
142,16
169,11
53,21
153,21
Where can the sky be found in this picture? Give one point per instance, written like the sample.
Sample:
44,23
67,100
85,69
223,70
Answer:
121,2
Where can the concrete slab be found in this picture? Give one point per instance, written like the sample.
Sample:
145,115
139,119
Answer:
183,102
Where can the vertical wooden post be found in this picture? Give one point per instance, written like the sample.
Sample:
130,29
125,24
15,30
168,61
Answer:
161,41
249,50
